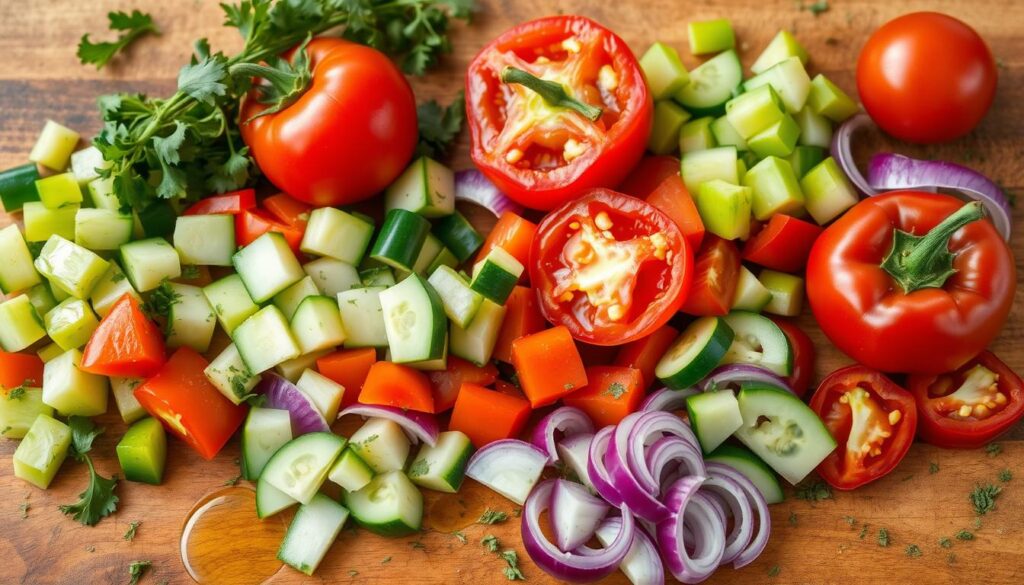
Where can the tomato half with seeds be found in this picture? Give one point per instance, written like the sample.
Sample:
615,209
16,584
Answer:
555,106
610,267
871,418
970,407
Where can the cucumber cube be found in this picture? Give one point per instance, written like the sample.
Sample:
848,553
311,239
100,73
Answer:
787,292
267,266
332,276
669,118
59,190
705,165
427,187
828,191
147,263
42,451
16,269
726,135
292,369
815,129
476,341
20,325
86,164
496,275
41,297
714,417
101,192
42,222
442,467
789,79
312,532
324,393
445,258
190,321
142,452
783,46
459,236
72,391
725,209
779,139
229,374
460,302
54,146
363,317
71,323
316,324
110,288
205,240
664,71
48,352
750,294
696,135
828,100
428,252
128,406
70,267
59,294
382,444
18,414
380,276
755,110
351,472
102,229
290,298
265,340
805,158
711,36
336,234
230,301
775,189
266,430
18,186
400,239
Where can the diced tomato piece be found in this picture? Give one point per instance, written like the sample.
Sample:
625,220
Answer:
783,244
648,174
288,210
522,317
672,198
487,416
253,223
714,282
349,368
611,393
445,384
126,344
20,369
548,365
390,384
231,203
515,235
645,353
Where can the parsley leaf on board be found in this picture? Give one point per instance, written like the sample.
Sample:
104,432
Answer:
492,517
133,527
98,500
983,498
439,126
136,569
491,542
131,26
814,491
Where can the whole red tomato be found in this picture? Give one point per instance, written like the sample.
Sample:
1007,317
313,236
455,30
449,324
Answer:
542,154
926,77
347,137
928,306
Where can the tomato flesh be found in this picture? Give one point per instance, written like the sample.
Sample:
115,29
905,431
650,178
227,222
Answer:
715,278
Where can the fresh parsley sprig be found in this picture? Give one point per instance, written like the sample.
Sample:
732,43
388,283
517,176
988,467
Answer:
98,500
131,26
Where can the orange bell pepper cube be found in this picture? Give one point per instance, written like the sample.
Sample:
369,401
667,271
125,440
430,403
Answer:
127,344
231,203
181,397
288,210
487,416
253,223
515,235
390,384
349,368
613,392
21,369
548,365
445,384
522,317
645,353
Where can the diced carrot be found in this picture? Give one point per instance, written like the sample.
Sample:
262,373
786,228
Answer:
522,317
445,384
17,369
487,416
673,199
548,365
611,394
390,384
349,368
515,235
126,343
288,210
645,353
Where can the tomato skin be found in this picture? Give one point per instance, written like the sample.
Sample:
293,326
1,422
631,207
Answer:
783,244
253,223
18,369
940,429
617,140
926,77
231,203
345,139
126,344
866,314
656,180
803,355
842,469
657,292
715,276
445,384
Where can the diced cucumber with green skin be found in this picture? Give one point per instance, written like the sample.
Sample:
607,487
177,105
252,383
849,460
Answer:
759,474
815,129
710,36
41,223
414,320
317,324
157,219
400,238
711,85
71,323
789,79
775,189
41,297
59,190
54,146
444,258
435,365
337,234
382,444
301,465
86,164
741,167
427,188
18,186
714,416
695,353
351,472
142,452
48,352
264,340
101,193
363,317
71,267
110,289
292,369
16,269
460,302
787,292
496,275
229,374
377,276
267,266
149,262
230,301
827,191
205,240
724,209
458,235
664,71
332,276
783,46
779,139
290,298
128,406
758,341
270,500
442,467
476,342
20,325
669,118
828,100
324,393
18,414
58,292
390,505
726,135
696,135
72,391
42,451
750,294
312,532
755,110
102,229
266,430
805,158
190,321
428,252
783,431
706,165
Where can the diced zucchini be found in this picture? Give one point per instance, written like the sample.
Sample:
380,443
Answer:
266,430
59,190
815,129
128,406
142,451
827,191
110,289
712,83
774,189
696,135
783,46
312,532
54,146
230,301
695,353
725,135
705,165
149,262
427,187
267,266
20,325
351,472
301,465
41,297
16,269
205,240
102,229
377,276
229,374
71,323
48,352
270,500
828,100
42,222
805,158
86,164
669,118
332,276
290,298
714,416
101,193
750,294
496,275
59,294
664,71
190,322
400,239
787,292
476,342
382,444
710,36
71,390
390,505
18,186
363,317
724,208
414,321
42,451
292,369
264,340
324,393
458,236
428,252
460,302
336,234
71,267
755,110
317,324
443,466
445,258
789,79
18,414
779,139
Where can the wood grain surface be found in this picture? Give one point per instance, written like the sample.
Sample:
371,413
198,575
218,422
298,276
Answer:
815,543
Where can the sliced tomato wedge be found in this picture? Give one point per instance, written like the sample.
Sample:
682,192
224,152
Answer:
126,344
231,203
871,418
288,210
253,223
783,244
715,278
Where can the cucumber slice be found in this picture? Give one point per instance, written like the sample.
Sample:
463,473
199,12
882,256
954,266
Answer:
18,414
789,79
725,209
229,374
41,222
714,416
71,323
705,165
695,353
205,240
476,342
142,451
301,465
71,267
458,236
16,269
750,294
827,191
71,390
787,292
382,444
336,234
363,317
54,146
775,189
664,71
390,505
270,500
754,469
324,393
414,321
312,532
20,325
443,466
783,431
267,266
289,299
669,118
711,85
265,340
758,341
110,289
460,302
783,46
317,325
427,187
350,472
42,451
190,321
710,36
428,253
128,406
230,301
102,229
696,135
332,276
400,239
18,187
496,275
266,430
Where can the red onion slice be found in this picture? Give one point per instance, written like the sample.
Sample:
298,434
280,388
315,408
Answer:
733,375
649,427
568,420
730,493
642,565
843,154
686,458
574,453
418,426
704,533
510,467
575,514
763,518
471,185
640,498
596,470
667,400
283,395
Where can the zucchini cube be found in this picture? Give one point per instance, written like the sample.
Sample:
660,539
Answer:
18,414
710,36
476,342
363,317
72,391
264,340
86,163
20,325
696,135
755,110
427,188
789,79
48,352
267,266
41,297
324,393
110,288
71,323
779,139
42,451
42,222
669,118
726,135
336,234
230,301
828,191
190,321
332,276
16,269
102,229
725,209
149,262
828,100
101,192
59,190
705,165
317,325
496,275
400,239
787,292
664,71
54,146
18,186
774,189
128,406
292,369
205,240
70,267
460,302
290,298
142,452
229,374
783,46
815,129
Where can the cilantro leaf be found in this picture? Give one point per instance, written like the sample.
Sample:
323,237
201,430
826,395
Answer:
83,433
161,300
17,393
492,517
439,127
133,527
203,80
167,147
132,25
136,569
96,502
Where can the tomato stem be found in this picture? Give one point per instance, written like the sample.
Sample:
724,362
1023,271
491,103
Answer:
917,262
552,93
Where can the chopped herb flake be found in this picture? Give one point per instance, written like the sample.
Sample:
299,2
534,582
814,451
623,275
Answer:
16,393
233,480
419,468
492,517
863,531
814,491
983,498
136,569
1005,475
964,535
945,542
462,537
386,560
615,390
913,551
849,520
512,572
491,543
933,468
133,527
418,545
189,272
883,537
993,449
353,573
774,571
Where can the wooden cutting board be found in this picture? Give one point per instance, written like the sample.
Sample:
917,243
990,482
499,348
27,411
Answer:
811,543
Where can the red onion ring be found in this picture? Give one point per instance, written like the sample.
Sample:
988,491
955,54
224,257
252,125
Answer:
672,449
510,467
735,374
667,400
567,419
763,518
418,426
703,529
574,515
640,498
730,493
596,470
649,427
642,565
471,185
843,154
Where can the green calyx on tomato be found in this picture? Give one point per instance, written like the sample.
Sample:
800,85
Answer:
917,262
554,94
285,81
